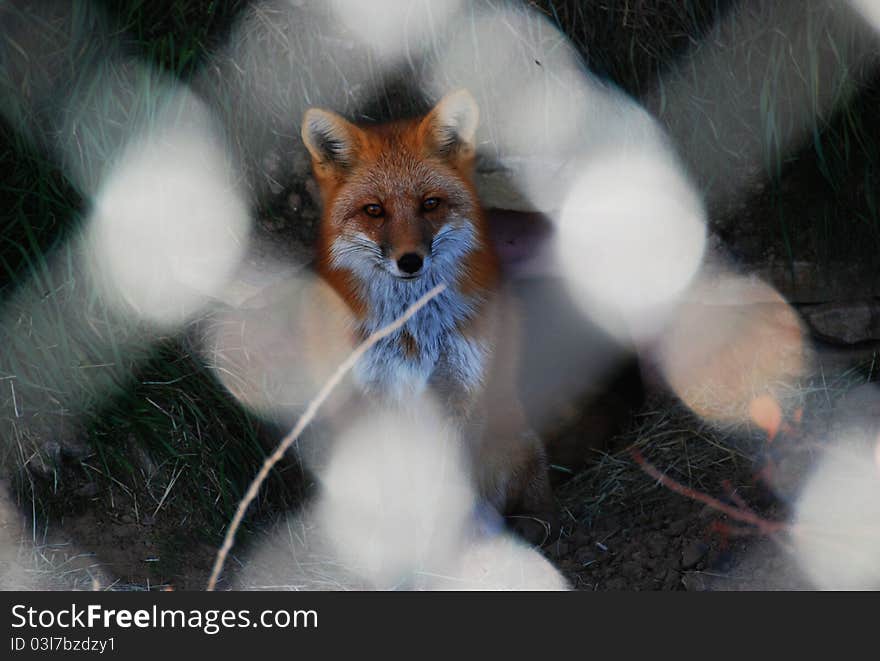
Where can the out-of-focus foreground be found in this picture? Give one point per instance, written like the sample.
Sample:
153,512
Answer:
690,188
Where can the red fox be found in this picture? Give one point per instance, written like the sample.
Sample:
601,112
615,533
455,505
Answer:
401,215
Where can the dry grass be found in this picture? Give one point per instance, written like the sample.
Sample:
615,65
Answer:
703,457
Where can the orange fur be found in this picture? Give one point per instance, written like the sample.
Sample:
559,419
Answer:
393,148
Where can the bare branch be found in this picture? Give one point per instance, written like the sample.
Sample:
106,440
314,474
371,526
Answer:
305,419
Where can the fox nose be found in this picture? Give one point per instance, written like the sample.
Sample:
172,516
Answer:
409,263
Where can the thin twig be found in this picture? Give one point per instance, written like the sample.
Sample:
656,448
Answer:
304,421
765,526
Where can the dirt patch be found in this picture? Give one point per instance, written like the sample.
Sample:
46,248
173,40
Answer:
622,528
721,510
668,542
638,537
155,556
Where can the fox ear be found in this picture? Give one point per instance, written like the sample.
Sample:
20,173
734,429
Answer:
450,128
330,139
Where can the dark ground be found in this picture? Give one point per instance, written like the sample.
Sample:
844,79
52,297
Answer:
622,530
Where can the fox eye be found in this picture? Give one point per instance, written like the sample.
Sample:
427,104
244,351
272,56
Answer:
430,204
374,210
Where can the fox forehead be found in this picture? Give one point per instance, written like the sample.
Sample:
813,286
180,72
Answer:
400,173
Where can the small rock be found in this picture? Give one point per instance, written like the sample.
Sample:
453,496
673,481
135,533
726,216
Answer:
848,322
581,537
89,490
616,584
694,581
692,554
722,561
584,556
657,544
671,579
631,570
76,448
678,527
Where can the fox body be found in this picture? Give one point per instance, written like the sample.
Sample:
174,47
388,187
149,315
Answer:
400,216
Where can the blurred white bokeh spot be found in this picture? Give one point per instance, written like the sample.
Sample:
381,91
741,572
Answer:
632,227
499,562
870,11
396,495
535,98
541,109
837,520
297,555
168,225
524,72
274,351
392,28
877,456
631,238
734,348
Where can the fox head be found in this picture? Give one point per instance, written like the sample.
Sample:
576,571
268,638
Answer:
398,199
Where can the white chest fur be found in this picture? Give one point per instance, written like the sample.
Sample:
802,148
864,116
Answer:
389,370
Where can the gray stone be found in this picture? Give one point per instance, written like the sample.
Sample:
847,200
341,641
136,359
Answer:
848,322
89,490
692,554
694,582
585,556
808,282
615,584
